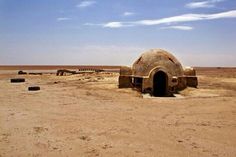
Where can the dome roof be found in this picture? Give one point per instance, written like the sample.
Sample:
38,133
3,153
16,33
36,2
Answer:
154,58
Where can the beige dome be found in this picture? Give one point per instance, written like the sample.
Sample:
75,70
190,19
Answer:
156,58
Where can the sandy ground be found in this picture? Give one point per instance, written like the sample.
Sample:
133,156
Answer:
87,115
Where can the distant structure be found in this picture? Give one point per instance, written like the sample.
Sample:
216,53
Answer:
157,72
63,72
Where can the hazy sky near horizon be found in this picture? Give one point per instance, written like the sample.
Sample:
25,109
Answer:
116,32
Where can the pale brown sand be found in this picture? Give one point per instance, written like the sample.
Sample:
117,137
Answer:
87,115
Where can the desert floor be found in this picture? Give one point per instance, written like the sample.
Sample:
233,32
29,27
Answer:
87,115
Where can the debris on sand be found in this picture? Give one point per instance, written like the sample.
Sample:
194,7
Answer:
33,88
17,80
22,72
35,73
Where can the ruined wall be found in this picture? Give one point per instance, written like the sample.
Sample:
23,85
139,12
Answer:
125,78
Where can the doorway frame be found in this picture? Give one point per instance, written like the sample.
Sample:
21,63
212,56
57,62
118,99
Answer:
154,84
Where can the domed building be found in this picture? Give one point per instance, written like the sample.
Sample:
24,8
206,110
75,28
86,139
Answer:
157,72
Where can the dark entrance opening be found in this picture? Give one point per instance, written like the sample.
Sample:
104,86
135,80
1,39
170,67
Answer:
160,84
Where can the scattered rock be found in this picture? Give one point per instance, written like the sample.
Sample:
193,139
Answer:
40,129
85,138
106,146
93,152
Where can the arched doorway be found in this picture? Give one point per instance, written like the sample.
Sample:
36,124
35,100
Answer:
160,84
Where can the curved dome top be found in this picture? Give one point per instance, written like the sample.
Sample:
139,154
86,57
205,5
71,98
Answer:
154,58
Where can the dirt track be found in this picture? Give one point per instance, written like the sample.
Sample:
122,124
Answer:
87,115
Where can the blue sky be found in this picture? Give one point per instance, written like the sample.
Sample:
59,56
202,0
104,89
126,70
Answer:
116,32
